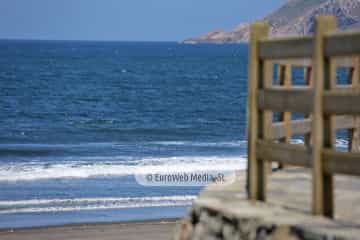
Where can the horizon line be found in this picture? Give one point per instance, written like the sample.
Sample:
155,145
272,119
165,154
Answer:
86,40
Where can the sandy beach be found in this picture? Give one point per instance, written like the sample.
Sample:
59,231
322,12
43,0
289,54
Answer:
160,229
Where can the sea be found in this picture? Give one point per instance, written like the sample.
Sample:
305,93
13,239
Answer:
80,120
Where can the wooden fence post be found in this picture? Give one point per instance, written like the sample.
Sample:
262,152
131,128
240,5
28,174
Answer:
308,75
259,31
284,73
329,137
265,129
322,125
354,79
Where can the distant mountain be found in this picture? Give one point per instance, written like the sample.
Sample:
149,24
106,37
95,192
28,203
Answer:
296,17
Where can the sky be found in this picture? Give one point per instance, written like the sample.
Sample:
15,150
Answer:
125,20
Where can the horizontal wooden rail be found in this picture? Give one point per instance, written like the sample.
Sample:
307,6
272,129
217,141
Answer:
296,155
342,44
342,101
345,122
299,99
336,45
344,86
346,62
341,162
299,47
303,126
296,127
283,100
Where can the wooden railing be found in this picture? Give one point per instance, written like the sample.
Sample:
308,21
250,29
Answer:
325,105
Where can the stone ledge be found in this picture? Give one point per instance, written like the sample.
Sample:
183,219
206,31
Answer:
211,219
225,213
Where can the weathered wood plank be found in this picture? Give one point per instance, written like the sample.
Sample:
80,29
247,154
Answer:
285,80
285,75
345,122
296,155
305,62
342,44
303,126
322,183
342,101
308,75
354,80
344,86
341,162
282,100
354,140
329,135
297,127
298,47
337,101
265,131
259,31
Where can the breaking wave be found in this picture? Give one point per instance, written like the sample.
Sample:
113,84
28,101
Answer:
83,169
83,204
116,166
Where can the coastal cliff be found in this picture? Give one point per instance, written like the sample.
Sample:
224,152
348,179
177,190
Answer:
295,18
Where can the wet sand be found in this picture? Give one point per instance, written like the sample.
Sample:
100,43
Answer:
151,230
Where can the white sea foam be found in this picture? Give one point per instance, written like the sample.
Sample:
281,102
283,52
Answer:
342,143
40,171
94,200
204,144
108,166
54,146
89,208
113,144
80,204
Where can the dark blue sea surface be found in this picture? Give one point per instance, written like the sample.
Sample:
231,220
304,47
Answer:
78,121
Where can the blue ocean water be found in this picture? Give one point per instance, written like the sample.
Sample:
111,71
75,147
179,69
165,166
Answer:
78,120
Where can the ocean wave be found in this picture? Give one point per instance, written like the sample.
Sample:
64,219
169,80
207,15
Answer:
37,147
94,200
15,146
31,150
204,144
81,204
53,145
342,143
115,166
42,171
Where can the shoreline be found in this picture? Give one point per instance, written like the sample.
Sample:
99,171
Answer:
89,224
147,229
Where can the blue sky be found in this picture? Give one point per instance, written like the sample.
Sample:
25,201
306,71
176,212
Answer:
126,20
